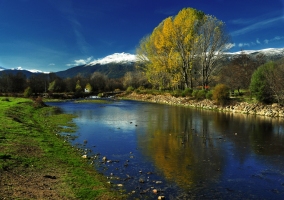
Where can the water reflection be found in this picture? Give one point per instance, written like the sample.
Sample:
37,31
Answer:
196,153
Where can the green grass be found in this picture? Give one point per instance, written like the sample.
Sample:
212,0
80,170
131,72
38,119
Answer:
30,140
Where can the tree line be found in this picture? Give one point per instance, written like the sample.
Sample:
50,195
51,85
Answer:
51,83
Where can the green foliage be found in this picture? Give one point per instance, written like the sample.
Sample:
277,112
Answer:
259,86
221,94
78,87
51,86
129,89
176,93
28,92
209,94
199,94
187,92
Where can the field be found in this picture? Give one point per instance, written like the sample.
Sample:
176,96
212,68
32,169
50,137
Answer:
36,161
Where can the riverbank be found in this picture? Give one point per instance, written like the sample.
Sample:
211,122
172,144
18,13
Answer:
234,106
36,162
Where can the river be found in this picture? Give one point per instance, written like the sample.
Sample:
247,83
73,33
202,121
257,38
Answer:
181,153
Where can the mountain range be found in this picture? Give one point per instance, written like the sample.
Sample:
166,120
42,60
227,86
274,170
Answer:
117,64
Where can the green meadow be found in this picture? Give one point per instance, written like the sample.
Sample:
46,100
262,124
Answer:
36,161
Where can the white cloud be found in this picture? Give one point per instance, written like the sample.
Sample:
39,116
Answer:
266,41
80,62
229,46
243,44
257,41
51,64
257,25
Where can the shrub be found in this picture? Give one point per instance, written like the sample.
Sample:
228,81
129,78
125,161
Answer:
199,94
259,85
209,94
221,94
38,103
187,92
194,93
28,92
176,93
129,89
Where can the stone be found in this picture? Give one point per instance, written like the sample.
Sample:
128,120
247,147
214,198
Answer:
155,191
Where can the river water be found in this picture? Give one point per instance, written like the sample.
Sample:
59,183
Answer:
183,153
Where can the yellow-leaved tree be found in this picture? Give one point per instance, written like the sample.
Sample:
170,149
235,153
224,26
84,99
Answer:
178,43
167,54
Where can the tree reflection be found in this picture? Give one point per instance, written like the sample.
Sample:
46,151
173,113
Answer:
182,147
189,146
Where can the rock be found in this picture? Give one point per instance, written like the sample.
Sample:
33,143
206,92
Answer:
155,191
84,156
120,185
104,158
141,180
159,182
161,197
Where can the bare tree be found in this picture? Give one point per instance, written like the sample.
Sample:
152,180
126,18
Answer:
212,42
98,81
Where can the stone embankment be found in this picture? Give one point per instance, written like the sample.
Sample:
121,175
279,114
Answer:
274,110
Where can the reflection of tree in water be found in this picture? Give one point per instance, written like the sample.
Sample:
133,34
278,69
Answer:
182,146
262,135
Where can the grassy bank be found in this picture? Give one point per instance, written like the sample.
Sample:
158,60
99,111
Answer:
36,162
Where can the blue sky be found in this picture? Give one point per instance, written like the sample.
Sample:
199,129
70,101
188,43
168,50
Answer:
53,35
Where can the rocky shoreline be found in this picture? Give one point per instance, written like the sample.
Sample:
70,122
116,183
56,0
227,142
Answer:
273,110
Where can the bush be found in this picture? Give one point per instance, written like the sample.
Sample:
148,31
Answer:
259,85
176,93
28,92
129,89
38,103
209,94
221,94
187,92
199,94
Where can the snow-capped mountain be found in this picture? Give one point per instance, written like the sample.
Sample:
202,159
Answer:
115,58
2,68
30,70
270,53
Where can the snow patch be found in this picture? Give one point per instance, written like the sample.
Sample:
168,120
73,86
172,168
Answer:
115,58
30,70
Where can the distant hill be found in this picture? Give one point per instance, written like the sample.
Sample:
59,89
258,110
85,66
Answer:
14,72
111,70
